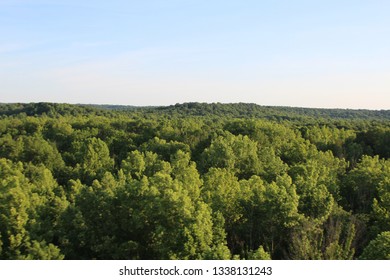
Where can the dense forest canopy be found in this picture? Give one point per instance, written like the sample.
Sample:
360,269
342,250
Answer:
193,181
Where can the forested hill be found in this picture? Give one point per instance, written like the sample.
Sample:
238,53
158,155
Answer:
250,110
233,110
193,181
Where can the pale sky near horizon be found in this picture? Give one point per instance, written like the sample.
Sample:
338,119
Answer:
305,53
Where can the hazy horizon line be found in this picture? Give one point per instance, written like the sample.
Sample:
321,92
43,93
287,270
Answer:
198,102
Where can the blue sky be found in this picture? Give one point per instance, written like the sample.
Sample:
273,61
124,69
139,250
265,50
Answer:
327,54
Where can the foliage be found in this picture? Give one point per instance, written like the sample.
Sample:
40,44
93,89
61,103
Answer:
379,248
193,181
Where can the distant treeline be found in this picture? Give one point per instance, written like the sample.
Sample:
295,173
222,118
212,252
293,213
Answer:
193,181
233,110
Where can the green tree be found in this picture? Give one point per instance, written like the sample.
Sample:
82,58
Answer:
259,254
381,204
378,249
23,213
93,157
315,201
332,239
360,185
236,153
271,211
221,190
